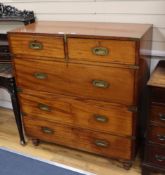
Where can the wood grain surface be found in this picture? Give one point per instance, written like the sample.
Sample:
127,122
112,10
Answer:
51,46
122,52
89,29
77,79
118,147
83,113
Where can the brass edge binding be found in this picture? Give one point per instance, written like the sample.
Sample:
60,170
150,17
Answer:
66,49
134,67
19,90
23,114
133,108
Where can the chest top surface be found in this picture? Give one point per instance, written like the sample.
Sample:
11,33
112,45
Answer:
123,30
157,78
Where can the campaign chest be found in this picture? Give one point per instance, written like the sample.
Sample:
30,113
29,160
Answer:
81,84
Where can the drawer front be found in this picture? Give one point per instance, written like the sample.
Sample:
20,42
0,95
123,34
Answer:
37,45
103,144
156,155
157,134
110,51
87,114
101,83
157,114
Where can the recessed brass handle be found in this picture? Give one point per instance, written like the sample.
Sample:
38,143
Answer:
100,83
100,51
101,143
100,118
35,45
161,137
44,107
160,158
162,117
47,130
40,75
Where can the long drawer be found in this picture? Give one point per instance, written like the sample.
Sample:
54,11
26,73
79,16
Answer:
38,45
94,142
84,113
96,50
95,82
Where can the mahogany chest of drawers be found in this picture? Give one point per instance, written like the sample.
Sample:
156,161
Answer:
81,84
154,159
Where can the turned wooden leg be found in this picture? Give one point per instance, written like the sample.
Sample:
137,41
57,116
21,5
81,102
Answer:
35,142
127,165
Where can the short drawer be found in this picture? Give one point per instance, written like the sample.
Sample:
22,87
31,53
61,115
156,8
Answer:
88,81
37,45
94,142
107,51
88,114
157,134
155,155
157,114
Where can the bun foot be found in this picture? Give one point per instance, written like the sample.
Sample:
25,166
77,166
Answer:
127,165
35,142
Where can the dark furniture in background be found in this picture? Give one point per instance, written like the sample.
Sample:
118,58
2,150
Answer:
10,17
154,159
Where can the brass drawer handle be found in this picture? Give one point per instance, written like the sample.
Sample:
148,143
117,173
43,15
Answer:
161,137
162,117
160,158
47,130
40,75
101,118
35,45
100,84
44,107
101,143
100,51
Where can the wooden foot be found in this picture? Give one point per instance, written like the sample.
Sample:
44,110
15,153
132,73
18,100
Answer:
127,165
35,142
